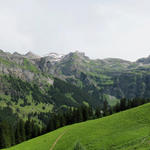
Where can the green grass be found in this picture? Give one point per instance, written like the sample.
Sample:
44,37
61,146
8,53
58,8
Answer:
69,95
29,66
128,130
3,61
112,101
22,111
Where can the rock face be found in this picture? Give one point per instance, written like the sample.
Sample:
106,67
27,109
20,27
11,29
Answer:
22,66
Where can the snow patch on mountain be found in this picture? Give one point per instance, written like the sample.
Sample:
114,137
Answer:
54,56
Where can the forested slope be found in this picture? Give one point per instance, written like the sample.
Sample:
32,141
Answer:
22,99
126,130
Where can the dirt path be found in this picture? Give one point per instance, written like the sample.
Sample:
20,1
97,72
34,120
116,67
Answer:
57,140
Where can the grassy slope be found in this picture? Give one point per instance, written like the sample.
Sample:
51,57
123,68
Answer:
127,130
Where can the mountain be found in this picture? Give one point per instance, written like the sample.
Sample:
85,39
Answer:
111,77
126,130
16,64
144,61
32,86
31,55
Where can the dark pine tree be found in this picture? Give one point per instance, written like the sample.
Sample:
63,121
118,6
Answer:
5,135
85,113
3,139
28,129
22,130
35,131
17,134
123,104
50,125
105,108
97,112
79,115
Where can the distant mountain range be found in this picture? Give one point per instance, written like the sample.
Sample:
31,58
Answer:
31,84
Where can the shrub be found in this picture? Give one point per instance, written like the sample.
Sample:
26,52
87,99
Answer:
78,146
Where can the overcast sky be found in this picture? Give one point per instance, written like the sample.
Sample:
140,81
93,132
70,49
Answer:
100,28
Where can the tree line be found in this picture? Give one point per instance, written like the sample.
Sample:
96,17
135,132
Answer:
25,130
21,132
84,113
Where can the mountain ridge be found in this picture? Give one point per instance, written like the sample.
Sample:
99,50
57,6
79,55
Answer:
72,81
82,53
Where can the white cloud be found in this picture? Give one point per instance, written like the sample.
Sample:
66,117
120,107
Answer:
10,38
112,28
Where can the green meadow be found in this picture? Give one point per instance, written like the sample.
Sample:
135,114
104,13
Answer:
127,130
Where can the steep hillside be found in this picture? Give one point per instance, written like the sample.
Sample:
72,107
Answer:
22,99
108,77
126,130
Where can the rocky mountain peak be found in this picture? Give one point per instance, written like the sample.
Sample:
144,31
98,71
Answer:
31,55
145,60
17,54
77,55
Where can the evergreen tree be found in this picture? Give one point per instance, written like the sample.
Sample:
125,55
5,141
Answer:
3,139
5,135
79,115
12,135
90,112
74,115
97,112
110,110
28,129
17,134
56,121
123,104
105,108
50,125
85,113
62,120
35,131
116,108
22,130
